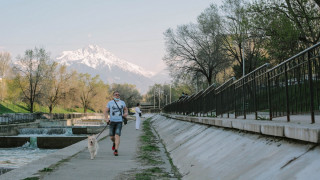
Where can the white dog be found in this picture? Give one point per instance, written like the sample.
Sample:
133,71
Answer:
93,146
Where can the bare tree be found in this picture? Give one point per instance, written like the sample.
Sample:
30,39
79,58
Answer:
58,85
195,49
88,90
32,71
304,16
242,42
5,60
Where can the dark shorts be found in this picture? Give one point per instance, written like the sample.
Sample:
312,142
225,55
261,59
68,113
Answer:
115,128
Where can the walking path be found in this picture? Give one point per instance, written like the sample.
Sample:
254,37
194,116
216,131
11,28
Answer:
73,162
182,139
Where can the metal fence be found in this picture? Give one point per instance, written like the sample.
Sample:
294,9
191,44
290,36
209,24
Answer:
292,87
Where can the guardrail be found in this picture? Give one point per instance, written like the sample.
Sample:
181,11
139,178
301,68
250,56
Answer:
292,87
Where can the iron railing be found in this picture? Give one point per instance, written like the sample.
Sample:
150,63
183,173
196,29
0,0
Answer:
292,87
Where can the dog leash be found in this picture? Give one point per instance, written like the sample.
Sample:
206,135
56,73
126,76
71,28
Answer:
102,131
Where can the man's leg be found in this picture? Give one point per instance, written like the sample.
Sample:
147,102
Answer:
112,129
112,139
117,137
117,141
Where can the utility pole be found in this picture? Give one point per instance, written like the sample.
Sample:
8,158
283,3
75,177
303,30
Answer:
243,61
166,99
170,93
154,98
159,97
197,83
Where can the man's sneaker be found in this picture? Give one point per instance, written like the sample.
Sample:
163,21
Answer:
115,152
113,146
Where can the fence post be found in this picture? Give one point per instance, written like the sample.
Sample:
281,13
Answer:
311,89
235,101
255,96
269,95
287,92
244,98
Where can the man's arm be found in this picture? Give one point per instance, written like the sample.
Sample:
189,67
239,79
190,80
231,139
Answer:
106,114
125,112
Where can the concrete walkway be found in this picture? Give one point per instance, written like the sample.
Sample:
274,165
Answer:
105,165
73,162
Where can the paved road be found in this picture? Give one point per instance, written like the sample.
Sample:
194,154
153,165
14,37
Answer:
105,165
79,166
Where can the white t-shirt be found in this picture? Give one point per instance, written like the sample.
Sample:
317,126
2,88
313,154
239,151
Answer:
115,115
137,109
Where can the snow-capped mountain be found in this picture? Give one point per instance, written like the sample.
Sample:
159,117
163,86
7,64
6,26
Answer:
95,56
98,61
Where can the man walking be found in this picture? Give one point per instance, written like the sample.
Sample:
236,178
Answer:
118,110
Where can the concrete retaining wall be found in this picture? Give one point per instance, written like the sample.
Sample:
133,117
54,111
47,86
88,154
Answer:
303,132
12,118
207,152
10,123
42,142
10,142
12,129
87,130
57,142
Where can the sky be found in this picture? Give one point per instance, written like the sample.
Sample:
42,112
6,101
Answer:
130,29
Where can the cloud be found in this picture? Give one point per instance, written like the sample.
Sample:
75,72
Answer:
89,35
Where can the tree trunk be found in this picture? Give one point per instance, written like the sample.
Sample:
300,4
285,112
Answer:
31,106
50,109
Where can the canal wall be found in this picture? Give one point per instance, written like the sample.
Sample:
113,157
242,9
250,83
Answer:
14,118
12,129
204,151
11,123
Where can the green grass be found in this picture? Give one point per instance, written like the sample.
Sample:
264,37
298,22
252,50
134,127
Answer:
46,170
9,107
149,148
31,178
151,173
149,155
144,176
154,170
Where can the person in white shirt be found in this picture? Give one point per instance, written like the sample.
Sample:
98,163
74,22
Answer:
138,115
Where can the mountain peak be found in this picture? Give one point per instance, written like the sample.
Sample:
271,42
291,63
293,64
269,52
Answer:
99,58
95,49
92,46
